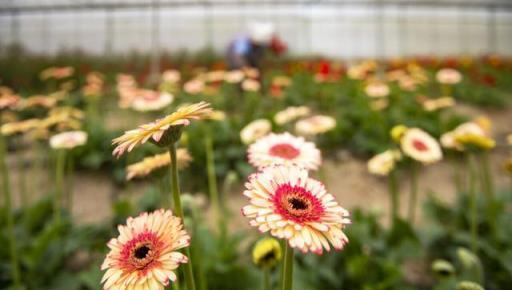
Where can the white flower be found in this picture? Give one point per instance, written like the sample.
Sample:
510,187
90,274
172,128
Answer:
420,146
275,149
291,114
148,100
383,163
315,125
255,130
68,140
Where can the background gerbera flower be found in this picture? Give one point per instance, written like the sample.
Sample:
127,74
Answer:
287,203
448,76
277,149
152,163
291,114
148,100
315,125
255,130
155,131
144,255
68,140
383,163
266,253
420,146
377,90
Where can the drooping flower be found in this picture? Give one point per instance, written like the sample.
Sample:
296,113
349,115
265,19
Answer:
383,163
266,253
287,203
291,114
159,161
255,130
315,125
286,149
20,127
145,254
155,131
420,146
148,100
448,76
377,90
68,140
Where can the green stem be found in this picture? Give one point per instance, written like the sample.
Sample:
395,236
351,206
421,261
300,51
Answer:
458,176
176,195
59,184
71,182
22,180
287,268
176,284
414,192
212,184
393,193
15,271
266,279
473,205
486,176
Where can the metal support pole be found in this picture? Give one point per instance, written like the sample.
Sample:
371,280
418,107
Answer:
155,41
380,39
492,32
109,31
208,16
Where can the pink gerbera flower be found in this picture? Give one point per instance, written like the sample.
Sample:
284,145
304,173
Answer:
287,203
145,255
275,149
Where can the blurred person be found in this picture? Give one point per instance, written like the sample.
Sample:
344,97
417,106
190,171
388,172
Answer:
248,50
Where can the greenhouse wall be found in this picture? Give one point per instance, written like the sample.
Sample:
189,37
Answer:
347,31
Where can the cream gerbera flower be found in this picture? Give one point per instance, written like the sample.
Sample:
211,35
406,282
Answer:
448,76
291,114
68,140
9,101
383,163
19,127
152,163
431,105
469,133
144,255
420,146
234,76
194,86
155,131
286,149
251,85
377,90
287,203
148,100
255,130
315,125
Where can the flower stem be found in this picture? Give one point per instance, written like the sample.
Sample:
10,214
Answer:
393,193
176,285
71,182
287,268
212,184
15,271
486,176
473,206
266,279
414,192
59,184
188,271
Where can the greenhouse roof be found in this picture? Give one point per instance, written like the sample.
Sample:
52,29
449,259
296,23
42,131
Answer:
36,5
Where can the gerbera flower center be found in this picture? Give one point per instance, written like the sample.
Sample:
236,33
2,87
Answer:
419,145
141,252
298,204
284,150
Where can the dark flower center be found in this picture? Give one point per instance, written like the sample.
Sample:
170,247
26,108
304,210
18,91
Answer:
298,203
419,145
141,252
284,150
